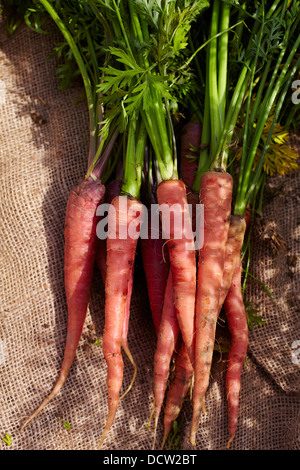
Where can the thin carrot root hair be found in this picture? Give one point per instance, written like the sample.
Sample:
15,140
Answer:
135,369
125,346
151,415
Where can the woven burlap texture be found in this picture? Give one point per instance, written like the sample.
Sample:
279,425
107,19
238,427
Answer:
43,152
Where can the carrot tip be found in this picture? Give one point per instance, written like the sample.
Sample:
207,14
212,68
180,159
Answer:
163,441
105,432
230,441
192,439
24,424
154,434
109,422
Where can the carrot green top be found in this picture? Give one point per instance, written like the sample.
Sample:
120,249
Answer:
265,51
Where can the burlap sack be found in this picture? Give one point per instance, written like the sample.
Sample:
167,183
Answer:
44,143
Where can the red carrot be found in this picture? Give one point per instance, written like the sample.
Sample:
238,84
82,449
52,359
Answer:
101,262
121,247
190,140
231,297
233,247
156,268
178,390
101,257
237,323
80,252
166,340
113,189
216,195
171,194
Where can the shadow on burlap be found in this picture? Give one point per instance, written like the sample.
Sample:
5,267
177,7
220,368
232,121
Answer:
44,144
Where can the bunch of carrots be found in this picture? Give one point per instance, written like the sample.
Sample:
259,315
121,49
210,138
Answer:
173,87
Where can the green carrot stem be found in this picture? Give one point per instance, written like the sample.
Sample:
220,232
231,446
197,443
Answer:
248,108
261,194
242,196
258,97
204,44
204,160
136,141
196,61
239,29
215,124
122,26
238,94
95,171
223,61
137,29
275,119
156,116
231,118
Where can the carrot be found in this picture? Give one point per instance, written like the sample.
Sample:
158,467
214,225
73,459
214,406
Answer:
233,247
180,242
121,247
113,189
190,137
237,323
216,195
177,392
101,262
101,257
166,341
190,140
80,252
155,257
156,268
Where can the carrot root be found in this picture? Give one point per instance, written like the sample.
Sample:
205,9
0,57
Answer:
156,268
166,340
190,140
80,253
233,247
124,220
216,195
177,392
113,190
237,323
172,196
